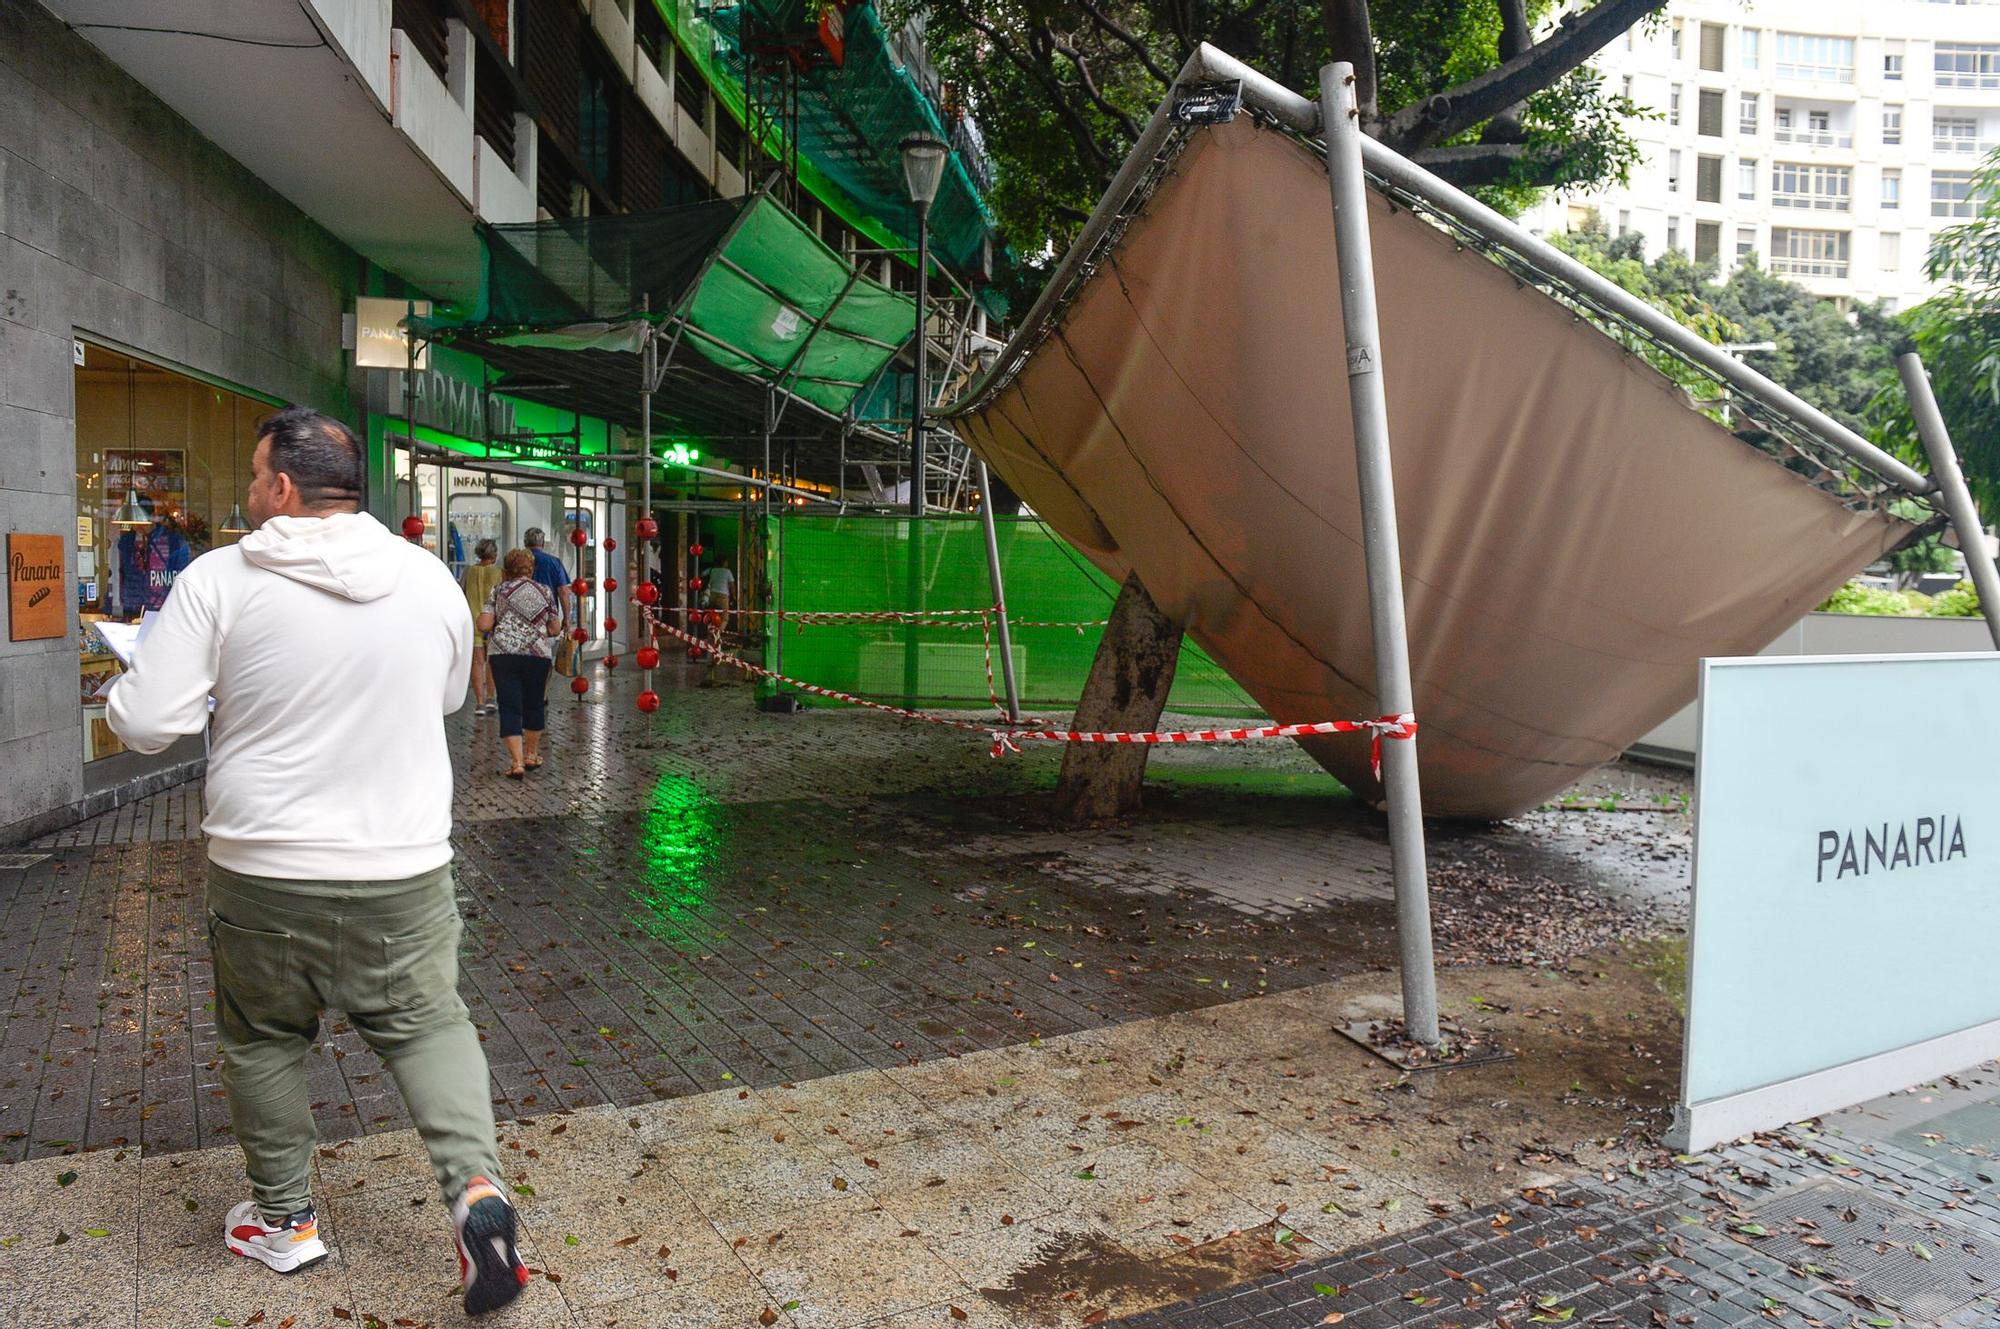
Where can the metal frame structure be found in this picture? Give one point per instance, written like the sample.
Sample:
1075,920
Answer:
1800,435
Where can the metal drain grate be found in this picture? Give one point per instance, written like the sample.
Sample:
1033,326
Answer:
19,860
1877,1248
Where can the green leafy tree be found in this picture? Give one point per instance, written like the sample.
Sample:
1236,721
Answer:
1957,332
1062,88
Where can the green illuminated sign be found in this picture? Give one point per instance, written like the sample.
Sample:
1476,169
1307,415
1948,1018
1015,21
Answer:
680,454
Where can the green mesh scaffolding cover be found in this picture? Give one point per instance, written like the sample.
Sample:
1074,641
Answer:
871,563
761,294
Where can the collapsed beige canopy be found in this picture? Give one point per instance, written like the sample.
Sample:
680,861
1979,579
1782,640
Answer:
1575,537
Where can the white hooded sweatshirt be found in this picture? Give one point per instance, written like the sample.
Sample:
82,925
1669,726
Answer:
333,650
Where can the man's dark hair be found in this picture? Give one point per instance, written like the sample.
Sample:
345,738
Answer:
327,464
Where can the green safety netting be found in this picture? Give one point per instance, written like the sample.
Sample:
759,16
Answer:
741,283
1055,598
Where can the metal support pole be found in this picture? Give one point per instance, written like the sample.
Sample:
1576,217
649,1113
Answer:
1958,504
648,353
1005,634
918,448
410,404
1381,545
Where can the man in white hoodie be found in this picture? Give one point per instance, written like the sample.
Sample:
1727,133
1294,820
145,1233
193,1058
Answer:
333,650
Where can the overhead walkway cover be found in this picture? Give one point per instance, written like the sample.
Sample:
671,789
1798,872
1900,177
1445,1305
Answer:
1575,536
746,301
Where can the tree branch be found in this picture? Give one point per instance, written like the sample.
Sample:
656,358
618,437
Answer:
1493,164
1090,89
1128,41
1350,37
1578,37
1515,37
1079,129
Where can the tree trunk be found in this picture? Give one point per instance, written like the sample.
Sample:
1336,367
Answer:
1126,691
1350,36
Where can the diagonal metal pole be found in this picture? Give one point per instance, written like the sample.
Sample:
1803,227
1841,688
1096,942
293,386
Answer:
1957,498
1342,124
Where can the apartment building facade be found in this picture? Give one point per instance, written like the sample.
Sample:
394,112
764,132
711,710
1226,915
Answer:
1832,139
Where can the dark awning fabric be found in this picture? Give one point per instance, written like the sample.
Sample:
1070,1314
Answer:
598,269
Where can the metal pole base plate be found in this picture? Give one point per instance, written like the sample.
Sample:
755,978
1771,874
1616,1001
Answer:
1460,1048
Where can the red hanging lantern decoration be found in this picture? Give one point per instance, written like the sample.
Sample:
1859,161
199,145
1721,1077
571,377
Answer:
646,528
696,583
647,593
413,528
579,537
581,586
695,549
610,662
610,585
649,657
579,636
579,685
649,701
694,652
610,623
713,618
610,543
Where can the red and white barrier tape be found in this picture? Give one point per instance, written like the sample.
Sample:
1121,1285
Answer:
1388,726
1402,727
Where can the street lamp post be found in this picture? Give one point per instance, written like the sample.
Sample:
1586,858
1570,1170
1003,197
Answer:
923,167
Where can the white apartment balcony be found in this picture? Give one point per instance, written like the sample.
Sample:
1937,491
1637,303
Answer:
330,105
1813,138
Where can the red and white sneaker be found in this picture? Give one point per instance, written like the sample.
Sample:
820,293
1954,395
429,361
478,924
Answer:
489,1264
288,1247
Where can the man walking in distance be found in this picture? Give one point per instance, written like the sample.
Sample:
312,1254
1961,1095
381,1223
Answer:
550,572
332,650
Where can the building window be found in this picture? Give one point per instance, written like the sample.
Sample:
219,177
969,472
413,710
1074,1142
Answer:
1799,185
1954,133
1624,220
1713,35
1747,53
1746,242
1892,124
1708,179
1707,242
1746,113
1818,130
1892,190
1708,114
1892,66
1819,121
1746,178
1673,232
1673,170
1804,55
1892,251
1801,253
1674,41
1951,194
597,125
1628,87
690,91
1967,65
1674,104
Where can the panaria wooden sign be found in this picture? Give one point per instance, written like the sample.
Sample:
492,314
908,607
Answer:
36,605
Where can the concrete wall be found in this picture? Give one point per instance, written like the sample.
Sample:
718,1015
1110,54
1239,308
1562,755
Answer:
119,223
1832,634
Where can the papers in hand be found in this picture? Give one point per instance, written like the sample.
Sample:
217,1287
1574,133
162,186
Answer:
122,639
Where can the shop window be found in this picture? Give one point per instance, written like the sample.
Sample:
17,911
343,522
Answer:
162,464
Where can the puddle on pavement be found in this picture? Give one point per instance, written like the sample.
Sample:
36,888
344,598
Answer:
1089,1277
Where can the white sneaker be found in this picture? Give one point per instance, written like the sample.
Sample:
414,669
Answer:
291,1246
489,1264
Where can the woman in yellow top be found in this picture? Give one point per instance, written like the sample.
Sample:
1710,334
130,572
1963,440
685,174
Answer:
479,579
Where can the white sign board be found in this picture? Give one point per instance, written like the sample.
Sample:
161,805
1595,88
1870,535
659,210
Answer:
380,340
1846,916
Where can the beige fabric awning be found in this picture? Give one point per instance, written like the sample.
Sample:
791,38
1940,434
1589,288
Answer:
1575,537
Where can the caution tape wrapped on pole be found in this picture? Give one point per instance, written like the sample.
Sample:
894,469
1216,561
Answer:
1386,726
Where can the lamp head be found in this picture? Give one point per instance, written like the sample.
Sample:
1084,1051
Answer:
924,156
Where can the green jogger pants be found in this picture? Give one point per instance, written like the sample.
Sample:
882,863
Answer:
384,952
